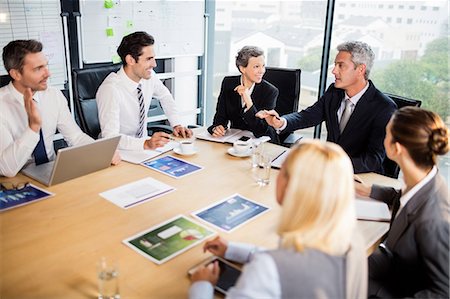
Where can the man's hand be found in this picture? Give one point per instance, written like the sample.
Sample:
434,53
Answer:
218,131
217,246
245,95
34,117
209,273
271,117
182,131
116,158
158,139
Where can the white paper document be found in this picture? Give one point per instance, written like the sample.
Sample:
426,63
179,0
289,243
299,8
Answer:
278,161
369,209
135,193
137,157
231,135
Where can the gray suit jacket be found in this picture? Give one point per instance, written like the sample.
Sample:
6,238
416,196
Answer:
415,262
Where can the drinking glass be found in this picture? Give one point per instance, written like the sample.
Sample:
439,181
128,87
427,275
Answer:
108,279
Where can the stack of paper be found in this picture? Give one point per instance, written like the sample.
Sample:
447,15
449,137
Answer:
231,135
137,157
369,209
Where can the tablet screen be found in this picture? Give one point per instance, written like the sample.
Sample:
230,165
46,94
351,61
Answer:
227,278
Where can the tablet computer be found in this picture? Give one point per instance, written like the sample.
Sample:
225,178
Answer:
228,276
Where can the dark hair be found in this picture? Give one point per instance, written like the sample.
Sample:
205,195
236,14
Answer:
133,43
14,53
244,54
422,132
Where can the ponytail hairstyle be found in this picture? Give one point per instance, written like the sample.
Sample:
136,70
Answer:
422,133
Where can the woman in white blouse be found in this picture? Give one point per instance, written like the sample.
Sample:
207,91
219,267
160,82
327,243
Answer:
318,255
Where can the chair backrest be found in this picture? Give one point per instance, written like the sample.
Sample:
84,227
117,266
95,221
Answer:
287,80
4,80
85,85
391,168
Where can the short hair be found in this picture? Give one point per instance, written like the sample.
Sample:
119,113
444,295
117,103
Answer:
244,54
14,53
133,43
422,133
318,205
361,54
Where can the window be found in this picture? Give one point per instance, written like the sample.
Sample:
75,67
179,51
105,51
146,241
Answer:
289,32
399,20
409,21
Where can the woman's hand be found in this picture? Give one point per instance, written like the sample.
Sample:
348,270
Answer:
361,188
217,246
209,273
219,131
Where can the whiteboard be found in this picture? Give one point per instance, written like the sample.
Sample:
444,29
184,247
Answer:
39,20
177,26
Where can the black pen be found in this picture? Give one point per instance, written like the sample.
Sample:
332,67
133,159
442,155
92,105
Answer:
358,181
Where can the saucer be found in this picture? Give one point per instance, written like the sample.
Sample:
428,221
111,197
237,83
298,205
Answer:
179,152
232,152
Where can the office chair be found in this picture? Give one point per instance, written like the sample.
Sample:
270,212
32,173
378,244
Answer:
391,168
85,85
287,80
4,80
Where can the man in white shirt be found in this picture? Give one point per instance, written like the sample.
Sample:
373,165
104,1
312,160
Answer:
31,111
124,97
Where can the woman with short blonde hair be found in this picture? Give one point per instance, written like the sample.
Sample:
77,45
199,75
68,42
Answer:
319,255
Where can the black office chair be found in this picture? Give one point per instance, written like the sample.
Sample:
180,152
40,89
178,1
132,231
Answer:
4,80
287,80
85,85
391,168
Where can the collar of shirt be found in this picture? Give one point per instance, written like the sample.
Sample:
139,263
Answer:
408,195
129,84
353,99
19,97
250,91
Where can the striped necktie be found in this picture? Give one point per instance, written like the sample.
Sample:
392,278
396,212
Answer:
140,131
39,152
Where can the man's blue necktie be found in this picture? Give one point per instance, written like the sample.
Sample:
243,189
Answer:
39,153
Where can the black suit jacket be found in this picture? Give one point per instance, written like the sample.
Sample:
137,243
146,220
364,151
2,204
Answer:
229,107
415,262
362,138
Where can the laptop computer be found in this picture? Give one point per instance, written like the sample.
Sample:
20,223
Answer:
75,161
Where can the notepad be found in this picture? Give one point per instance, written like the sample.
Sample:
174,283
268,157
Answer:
137,157
369,209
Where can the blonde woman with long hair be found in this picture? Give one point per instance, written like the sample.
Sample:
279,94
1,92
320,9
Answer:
318,255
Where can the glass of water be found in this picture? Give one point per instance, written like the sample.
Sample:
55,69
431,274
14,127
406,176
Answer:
108,279
261,170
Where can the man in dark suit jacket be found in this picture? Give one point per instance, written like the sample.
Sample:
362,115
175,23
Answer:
241,97
354,111
413,261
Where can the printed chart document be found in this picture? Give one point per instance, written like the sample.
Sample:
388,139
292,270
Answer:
231,135
15,198
135,193
370,209
137,157
230,213
168,239
172,166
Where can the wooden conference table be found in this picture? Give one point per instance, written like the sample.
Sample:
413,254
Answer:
49,249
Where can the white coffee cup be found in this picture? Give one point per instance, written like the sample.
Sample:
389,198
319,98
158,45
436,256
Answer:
241,147
187,147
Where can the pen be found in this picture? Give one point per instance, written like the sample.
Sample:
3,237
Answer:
279,155
358,181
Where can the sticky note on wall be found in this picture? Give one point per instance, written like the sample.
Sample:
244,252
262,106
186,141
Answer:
109,32
108,3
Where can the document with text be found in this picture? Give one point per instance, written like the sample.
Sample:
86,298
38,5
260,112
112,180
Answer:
231,135
370,209
137,157
135,193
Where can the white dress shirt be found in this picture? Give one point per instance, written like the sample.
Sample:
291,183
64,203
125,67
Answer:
259,278
404,199
17,140
118,107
